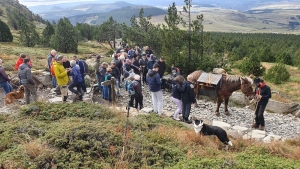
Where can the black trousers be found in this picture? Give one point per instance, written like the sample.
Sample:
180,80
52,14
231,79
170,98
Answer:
138,101
186,109
259,115
144,76
131,101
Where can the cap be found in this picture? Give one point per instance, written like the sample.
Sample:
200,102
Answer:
257,80
137,77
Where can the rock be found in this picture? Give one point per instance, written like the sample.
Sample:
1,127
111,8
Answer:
55,100
221,124
234,133
147,110
46,80
255,134
280,107
297,113
240,129
97,114
271,137
239,98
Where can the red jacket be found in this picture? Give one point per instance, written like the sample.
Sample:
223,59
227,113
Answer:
19,62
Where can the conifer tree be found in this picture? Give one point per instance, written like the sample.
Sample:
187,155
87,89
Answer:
28,36
5,34
47,33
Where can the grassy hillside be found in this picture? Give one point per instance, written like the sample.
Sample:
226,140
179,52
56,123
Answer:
122,15
70,136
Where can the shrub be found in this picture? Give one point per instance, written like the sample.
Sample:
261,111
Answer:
284,58
277,74
5,35
252,65
109,52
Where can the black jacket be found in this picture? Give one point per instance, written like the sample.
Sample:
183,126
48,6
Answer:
115,72
177,90
188,95
265,92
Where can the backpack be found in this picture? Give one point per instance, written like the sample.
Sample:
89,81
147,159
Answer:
107,77
86,67
130,88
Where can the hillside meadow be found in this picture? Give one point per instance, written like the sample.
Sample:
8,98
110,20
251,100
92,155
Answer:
70,136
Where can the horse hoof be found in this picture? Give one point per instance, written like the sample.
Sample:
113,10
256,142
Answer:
227,113
217,114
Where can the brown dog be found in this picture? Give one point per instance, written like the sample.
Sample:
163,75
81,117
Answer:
10,97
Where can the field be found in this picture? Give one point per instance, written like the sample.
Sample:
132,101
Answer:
225,20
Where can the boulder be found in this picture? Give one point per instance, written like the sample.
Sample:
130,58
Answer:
297,113
280,107
240,129
255,134
55,100
221,124
234,133
239,98
147,110
271,137
46,80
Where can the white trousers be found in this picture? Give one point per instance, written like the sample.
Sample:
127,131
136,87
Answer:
157,101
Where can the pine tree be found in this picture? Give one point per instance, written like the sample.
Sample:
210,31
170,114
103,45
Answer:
5,34
28,36
47,33
252,65
64,39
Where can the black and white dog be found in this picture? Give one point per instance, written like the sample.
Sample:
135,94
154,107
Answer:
205,129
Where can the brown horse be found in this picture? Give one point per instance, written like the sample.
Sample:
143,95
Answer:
229,84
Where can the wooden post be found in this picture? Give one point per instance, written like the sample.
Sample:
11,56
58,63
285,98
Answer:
113,92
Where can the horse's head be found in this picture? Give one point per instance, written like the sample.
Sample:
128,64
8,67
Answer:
246,87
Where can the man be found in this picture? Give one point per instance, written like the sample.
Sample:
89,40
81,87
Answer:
127,68
151,62
148,51
102,71
51,57
4,80
162,67
138,96
131,53
143,66
115,72
154,83
82,71
263,94
21,60
62,78
67,64
76,81
136,63
24,74
97,72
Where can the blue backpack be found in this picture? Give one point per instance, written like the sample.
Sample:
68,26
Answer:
130,88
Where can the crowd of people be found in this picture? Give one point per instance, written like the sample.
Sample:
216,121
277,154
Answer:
133,68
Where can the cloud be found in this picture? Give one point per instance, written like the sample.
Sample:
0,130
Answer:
47,2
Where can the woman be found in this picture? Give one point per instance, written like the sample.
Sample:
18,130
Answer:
177,89
4,80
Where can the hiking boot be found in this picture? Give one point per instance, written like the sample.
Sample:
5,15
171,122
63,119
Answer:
254,126
261,127
187,121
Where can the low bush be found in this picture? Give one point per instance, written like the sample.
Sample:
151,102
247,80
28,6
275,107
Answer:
277,74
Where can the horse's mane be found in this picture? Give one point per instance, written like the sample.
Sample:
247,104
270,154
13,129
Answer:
237,78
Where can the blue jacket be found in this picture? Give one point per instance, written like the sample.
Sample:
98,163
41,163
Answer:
153,80
76,75
177,90
81,66
150,64
188,96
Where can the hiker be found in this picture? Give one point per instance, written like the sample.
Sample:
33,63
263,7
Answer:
115,72
188,98
127,68
62,78
148,50
138,96
263,94
102,71
97,72
51,57
162,67
131,53
138,52
151,62
154,83
82,71
24,74
174,71
4,80
66,65
119,65
107,89
136,63
127,83
177,88
20,61
76,81
143,66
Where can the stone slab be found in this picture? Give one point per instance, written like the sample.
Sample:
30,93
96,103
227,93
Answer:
147,110
55,100
240,128
255,134
221,124
271,137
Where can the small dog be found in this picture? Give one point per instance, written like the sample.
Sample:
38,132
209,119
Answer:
205,129
10,97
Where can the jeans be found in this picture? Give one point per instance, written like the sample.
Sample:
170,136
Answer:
78,87
54,84
259,115
100,87
186,109
118,86
83,83
105,92
6,86
157,101
179,107
30,88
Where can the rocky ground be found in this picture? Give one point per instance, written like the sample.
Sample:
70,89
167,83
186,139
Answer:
238,124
